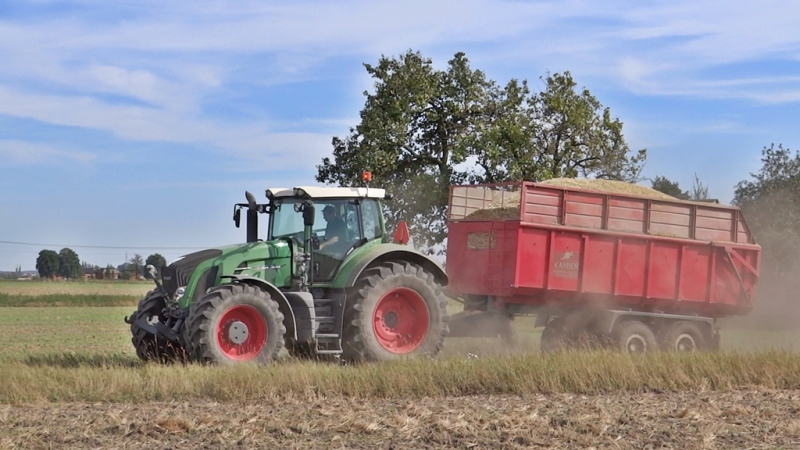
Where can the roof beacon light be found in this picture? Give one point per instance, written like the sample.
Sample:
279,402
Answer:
367,177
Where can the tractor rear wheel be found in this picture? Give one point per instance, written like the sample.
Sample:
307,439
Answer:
399,311
148,346
234,323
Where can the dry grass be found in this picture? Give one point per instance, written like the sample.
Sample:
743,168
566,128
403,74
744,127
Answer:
61,378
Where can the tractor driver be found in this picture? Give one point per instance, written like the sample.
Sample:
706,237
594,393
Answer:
336,229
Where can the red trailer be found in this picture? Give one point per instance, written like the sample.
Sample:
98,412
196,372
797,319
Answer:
635,271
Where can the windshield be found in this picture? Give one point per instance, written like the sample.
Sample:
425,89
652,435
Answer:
286,222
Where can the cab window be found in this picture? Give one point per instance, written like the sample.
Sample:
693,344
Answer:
371,218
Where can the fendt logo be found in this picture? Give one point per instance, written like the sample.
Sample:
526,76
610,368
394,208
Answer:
566,265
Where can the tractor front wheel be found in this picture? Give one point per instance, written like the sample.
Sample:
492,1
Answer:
150,347
399,311
234,323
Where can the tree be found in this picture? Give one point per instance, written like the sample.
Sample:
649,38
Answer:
136,266
47,264
770,202
69,265
563,133
699,190
664,185
423,130
157,261
109,272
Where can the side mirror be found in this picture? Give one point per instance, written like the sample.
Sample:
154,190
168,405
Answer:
308,215
237,217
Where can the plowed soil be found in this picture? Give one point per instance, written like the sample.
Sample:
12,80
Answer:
703,419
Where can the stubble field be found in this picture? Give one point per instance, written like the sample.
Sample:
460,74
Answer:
69,378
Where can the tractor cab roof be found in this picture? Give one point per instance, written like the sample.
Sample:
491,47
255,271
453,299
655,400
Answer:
326,192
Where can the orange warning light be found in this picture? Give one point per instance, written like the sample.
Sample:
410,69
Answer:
367,177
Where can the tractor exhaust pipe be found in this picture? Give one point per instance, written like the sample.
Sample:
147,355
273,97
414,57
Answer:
252,218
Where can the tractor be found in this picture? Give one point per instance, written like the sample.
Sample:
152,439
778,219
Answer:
327,283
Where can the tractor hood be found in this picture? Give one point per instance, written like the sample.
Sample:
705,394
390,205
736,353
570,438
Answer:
241,259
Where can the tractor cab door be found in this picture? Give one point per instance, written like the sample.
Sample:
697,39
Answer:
340,232
348,224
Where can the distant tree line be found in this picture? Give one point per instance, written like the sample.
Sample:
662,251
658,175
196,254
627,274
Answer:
67,264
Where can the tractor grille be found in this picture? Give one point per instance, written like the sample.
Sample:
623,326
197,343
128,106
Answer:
178,273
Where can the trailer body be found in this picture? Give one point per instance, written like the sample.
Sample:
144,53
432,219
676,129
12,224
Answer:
569,248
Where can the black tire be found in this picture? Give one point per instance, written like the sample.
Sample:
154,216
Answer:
555,337
394,280
149,347
684,336
252,305
635,337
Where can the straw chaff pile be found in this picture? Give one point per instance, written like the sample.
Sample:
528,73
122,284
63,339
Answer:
505,204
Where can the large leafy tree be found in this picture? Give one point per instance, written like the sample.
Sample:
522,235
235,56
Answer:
424,129
69,265
47,263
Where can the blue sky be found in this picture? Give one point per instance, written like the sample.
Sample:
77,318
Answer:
138,125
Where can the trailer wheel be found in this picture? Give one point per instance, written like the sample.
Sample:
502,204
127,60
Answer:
148,346
636,337
234,323
555,337
684,336
399,310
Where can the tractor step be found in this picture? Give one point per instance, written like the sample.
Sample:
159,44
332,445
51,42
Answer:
328,336
324,319
329,352
323,301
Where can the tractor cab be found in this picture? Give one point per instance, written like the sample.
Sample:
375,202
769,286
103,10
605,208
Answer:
344,219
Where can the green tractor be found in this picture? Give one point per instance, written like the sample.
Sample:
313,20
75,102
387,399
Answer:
328,282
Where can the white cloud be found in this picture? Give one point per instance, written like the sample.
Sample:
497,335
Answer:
14,152
148,77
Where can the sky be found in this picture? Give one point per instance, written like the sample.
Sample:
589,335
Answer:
133,127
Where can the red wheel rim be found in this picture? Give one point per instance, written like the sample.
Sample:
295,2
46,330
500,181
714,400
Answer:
401,320
242,333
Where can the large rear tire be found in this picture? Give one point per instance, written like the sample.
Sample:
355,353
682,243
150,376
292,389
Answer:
149,347
234,323
399,311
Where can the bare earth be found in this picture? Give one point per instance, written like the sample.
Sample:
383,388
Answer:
739,419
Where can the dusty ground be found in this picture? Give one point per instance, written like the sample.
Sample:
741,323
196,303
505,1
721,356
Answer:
738,419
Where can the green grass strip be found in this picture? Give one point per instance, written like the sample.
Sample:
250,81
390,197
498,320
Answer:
61,300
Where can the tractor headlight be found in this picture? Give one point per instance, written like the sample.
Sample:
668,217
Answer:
179,293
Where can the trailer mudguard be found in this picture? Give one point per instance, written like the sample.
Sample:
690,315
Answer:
352,269
284,303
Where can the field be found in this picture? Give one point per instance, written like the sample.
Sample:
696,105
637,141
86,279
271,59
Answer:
69,378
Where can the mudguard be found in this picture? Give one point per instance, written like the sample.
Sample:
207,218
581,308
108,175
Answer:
352,269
